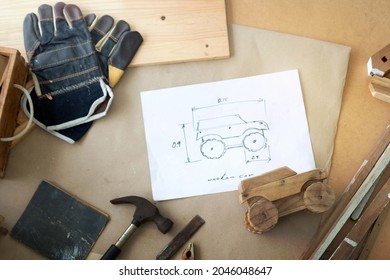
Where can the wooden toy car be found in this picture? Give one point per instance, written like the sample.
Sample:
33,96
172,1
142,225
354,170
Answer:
282,192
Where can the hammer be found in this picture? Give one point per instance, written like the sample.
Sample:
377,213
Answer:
145,211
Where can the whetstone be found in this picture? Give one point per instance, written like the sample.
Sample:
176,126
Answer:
173,30
58,225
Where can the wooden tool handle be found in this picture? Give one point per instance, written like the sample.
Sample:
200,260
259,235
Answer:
112,253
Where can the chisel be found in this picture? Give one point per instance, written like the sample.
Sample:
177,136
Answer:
181,238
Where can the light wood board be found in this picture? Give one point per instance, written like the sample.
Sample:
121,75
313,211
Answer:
173,30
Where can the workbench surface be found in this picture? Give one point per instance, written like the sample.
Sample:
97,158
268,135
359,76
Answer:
361,25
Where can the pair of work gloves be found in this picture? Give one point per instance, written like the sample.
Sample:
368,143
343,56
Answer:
75,61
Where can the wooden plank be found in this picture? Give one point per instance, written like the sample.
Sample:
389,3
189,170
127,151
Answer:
350,223
349,191
265,178
359,249
359,230
3,68
352,204
369,183
371,238
173,30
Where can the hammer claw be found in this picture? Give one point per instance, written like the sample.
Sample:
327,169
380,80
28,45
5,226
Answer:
127,199
145,211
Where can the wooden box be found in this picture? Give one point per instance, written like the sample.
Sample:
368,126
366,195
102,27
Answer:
13,70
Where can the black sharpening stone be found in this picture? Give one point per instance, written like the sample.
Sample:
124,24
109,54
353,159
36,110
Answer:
59,225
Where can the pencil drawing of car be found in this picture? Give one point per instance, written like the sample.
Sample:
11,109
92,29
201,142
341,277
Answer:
217,135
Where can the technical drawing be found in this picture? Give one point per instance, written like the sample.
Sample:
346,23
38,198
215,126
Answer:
219,134
216,129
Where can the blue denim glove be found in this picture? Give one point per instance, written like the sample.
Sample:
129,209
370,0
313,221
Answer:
71,72
68,81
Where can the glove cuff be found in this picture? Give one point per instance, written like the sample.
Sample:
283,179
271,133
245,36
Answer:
66,111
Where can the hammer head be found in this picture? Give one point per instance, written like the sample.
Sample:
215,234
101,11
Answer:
145,211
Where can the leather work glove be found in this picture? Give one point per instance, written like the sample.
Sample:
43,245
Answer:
71,75
116,45
68,81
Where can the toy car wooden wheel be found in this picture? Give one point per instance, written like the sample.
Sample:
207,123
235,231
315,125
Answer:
261,216
318,197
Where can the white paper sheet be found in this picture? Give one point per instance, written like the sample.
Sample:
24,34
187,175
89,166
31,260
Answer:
206,138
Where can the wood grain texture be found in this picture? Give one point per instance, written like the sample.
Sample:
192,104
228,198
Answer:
319,197
262,216
283,188
359,230
266,178
357,213
373,234
380,88
173,30
3,68
353,194
282,192
15,73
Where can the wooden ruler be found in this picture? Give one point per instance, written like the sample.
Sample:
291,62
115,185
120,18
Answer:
173,30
